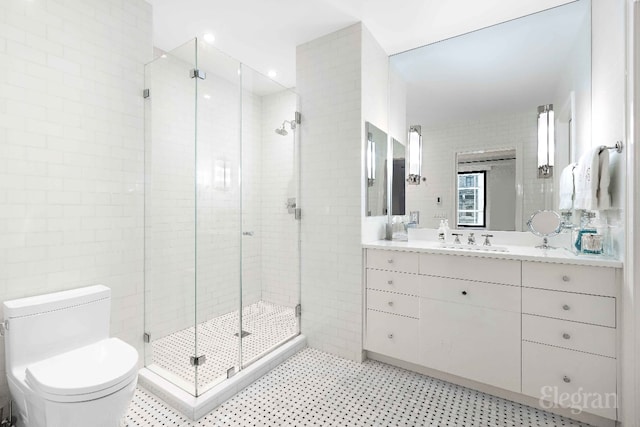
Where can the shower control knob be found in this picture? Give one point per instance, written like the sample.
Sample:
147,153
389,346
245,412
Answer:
565,278
566,336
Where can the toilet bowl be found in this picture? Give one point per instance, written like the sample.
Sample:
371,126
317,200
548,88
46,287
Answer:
63,369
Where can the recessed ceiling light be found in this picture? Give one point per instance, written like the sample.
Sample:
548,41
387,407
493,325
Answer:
209,38
272,74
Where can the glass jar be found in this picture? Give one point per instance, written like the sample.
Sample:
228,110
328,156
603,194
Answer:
590,238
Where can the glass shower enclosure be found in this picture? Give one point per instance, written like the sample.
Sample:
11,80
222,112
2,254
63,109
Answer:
222,246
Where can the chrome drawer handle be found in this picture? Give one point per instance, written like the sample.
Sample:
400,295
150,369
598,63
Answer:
390,336
566,307
390,261
565,278
566,336
390,303
390,282
566,379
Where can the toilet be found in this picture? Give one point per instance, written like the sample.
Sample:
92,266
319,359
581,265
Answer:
62,367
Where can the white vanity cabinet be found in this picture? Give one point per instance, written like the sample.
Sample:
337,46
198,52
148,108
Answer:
535,328
569,321
471,328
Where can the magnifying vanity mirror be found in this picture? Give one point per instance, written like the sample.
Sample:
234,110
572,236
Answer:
545,224
476,98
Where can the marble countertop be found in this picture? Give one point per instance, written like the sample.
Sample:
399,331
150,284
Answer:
522,253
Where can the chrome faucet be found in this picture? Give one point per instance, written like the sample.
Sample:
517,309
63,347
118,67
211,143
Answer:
457,240
486,239
471,239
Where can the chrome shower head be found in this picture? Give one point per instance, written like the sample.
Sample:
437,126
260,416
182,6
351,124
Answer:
281,131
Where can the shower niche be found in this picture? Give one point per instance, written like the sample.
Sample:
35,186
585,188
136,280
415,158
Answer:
222,250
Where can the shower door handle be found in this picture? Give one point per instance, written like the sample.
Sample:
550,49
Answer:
247,233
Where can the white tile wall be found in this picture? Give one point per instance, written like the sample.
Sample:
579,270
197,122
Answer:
71,150
336,99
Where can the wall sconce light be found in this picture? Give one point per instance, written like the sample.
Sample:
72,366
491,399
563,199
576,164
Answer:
546,141
415,154
371,160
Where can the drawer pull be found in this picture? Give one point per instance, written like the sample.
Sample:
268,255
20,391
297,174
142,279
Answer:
390,336
390,282
390,260
565,278
566,307
464,292
390,303
566,336
566,379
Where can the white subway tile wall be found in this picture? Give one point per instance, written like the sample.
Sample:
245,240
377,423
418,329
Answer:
331,84
71,152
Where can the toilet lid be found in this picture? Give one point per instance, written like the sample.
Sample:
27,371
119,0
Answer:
85,370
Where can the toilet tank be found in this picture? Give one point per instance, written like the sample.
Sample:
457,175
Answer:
45,325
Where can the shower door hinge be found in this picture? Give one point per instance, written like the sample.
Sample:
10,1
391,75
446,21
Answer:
298,117
146,337
146,93
197,73
198,360
298,213
231,372
298,310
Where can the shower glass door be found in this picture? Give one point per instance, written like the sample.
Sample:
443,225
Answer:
170,229
218,236
222,234
271,233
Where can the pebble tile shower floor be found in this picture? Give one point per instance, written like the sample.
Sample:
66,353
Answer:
268,325
313,388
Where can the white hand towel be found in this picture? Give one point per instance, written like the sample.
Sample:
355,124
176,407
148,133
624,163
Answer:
586,176
567,190
604,198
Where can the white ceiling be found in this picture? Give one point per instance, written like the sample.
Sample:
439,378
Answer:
264,33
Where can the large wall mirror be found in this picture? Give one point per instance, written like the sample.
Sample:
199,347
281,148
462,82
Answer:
476,98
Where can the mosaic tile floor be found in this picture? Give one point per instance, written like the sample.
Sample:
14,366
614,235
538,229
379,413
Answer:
314,388
268,325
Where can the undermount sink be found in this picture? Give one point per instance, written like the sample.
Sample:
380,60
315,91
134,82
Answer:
481,248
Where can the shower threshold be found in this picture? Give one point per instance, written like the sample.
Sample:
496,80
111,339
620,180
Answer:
196,407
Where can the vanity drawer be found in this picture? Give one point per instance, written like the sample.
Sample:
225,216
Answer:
489,295
570,278
393,281
471,268
592,309
572,335
392,335
390,302
406,262
472,342
551,371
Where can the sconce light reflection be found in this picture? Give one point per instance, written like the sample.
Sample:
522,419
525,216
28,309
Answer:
415,155
546,141
371,160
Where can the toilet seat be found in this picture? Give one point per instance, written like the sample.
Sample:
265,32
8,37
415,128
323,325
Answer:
86,373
